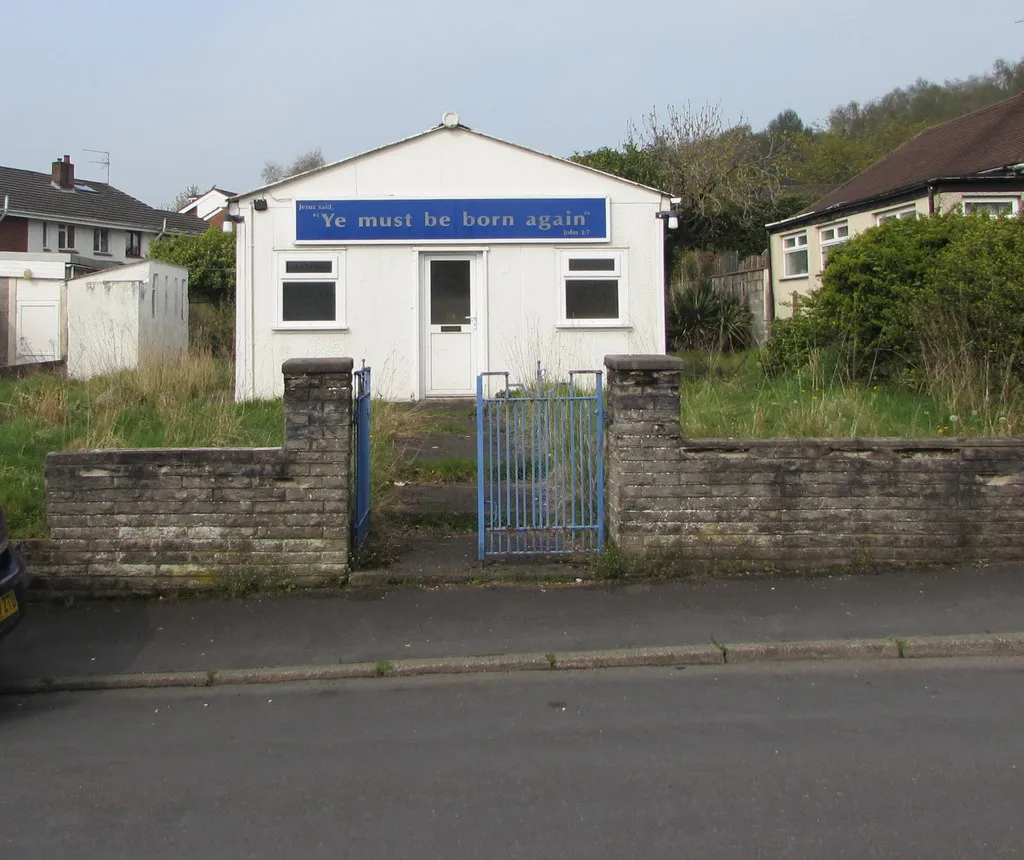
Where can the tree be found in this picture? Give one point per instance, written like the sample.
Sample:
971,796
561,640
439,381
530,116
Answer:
273,171
722,173
209,258
182,199
630,163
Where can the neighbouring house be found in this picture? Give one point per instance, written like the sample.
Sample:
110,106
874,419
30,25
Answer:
125,316
444,255
54,227
973,164
211,206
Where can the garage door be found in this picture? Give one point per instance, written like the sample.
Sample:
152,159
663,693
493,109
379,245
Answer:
38,331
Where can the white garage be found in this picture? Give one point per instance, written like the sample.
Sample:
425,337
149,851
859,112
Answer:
444,255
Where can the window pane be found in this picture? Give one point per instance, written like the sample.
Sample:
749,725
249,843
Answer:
450,302
606,264
308,301
796,263
592,300
308,267
993,208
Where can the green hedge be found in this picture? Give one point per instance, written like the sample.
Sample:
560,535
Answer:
888,294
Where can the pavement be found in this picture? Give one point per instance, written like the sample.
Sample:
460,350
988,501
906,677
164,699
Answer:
956,611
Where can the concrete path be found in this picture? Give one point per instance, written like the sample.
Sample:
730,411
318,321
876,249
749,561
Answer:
105,638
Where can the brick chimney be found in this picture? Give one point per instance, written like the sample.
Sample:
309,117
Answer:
62,173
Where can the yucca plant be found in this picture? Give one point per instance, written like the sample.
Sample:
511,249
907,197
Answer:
702,318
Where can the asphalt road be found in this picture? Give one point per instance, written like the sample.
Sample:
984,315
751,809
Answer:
896,760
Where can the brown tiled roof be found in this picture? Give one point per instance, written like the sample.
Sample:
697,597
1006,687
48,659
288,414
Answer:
33,194
987,139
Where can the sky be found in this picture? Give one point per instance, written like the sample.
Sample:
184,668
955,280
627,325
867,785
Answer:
205,93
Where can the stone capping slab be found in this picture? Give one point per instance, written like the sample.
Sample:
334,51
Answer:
157,456
316,365
644,362
863,445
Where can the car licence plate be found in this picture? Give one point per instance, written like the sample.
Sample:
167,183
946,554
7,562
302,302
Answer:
8,605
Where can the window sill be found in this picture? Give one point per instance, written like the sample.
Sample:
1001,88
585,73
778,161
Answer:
612,325
102,254
313,327
795,277
132,256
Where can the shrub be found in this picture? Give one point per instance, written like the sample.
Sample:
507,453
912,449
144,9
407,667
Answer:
702,318
883,290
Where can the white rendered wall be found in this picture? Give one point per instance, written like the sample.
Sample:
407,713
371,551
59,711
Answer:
116,320
116,241
520,285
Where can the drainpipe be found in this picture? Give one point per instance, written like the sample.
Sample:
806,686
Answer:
163,231
6,207
769,301
931,199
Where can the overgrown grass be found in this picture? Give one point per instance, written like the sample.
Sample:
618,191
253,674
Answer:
443,470
183,404
735,399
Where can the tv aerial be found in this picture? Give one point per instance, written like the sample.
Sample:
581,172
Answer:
103,161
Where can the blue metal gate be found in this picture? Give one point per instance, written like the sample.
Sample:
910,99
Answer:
361,497
540,466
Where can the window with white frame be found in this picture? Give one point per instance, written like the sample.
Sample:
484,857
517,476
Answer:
794,254
66,237
593,288
896,215
830,236
133,243
310,291
993,207
100,240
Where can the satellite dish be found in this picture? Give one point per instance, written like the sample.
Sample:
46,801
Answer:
450,119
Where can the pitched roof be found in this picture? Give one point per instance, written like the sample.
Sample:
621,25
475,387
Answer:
987,139
33,194
443,128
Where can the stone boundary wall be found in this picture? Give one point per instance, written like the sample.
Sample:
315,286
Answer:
736,505
172,520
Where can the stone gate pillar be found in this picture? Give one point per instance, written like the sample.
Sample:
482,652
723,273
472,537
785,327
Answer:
642,443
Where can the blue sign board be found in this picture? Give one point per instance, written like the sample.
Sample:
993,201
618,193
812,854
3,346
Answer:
519,219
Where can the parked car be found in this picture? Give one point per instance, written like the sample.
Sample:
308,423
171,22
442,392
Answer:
12,584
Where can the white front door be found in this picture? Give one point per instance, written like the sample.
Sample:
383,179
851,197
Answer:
449,324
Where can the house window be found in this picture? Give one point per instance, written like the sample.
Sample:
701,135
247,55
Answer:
593,288
993,207
66,237
133,243
896,215
101,240
830,236
794,252
311,291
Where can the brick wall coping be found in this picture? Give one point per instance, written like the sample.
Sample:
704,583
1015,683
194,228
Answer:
852,444
316,365
162,455
644,362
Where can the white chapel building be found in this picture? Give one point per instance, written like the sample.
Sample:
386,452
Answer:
442,256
